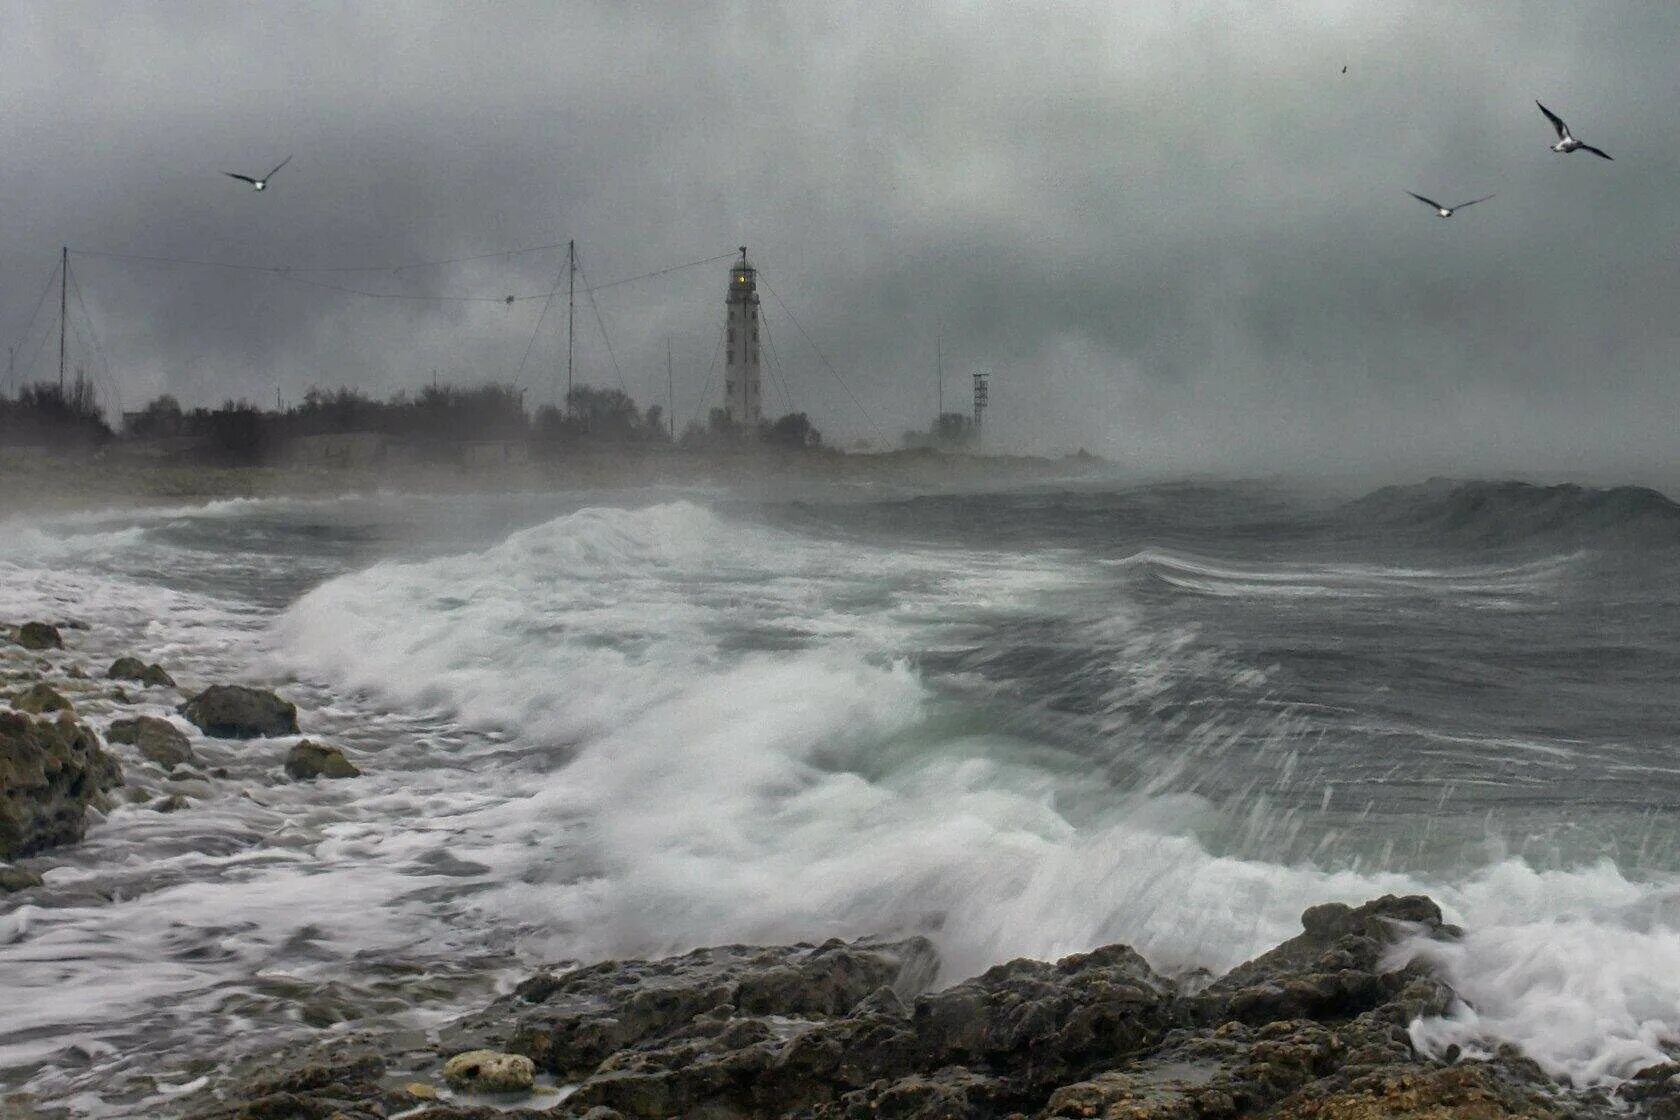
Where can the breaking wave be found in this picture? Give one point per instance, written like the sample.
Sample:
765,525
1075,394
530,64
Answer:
1499,514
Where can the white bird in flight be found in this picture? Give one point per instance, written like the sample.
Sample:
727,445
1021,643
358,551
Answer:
259,184
1566,142
1447,211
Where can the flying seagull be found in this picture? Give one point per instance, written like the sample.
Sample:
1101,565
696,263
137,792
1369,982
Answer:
258,184
1447,211
1566,142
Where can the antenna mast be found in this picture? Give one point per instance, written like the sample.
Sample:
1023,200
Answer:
939,365
571,313
670,389
63,307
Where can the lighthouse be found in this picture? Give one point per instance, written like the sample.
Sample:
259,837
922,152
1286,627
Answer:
741,390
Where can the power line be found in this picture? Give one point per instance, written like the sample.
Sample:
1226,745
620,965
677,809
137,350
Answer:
821,357
98,349
780,378
288,273
324,268
604,336
520,376
23,336
706,387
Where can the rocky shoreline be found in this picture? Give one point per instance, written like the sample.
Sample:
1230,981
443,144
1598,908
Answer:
1321,1026
1318,1027
58,766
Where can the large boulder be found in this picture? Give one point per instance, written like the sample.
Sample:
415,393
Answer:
49,772
233,711
158,739
39,635
310,759
133,669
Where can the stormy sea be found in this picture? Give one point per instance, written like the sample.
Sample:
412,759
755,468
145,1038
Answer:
1025,723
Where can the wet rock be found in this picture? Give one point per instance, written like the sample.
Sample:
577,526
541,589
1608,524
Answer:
126,669
17,879
953,1093
174,803
487,1071
233,711
1332,969
1313,1028
50,771
1468,1092
41,697
570,1024
39,635
309,759
1048,1021
157,739
133,669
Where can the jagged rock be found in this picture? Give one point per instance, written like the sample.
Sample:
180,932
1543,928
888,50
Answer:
158,740
952,1093
233,711
17,879
1466,1092
174,803
39,698
569,1024
1048,1020
50,770
39,635
1333,968
309,759
487,1071
1313,1028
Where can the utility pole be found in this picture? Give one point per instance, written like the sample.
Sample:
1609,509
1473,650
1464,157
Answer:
571,314
63,307
670,389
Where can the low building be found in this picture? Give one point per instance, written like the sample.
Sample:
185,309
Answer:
495,452
343,449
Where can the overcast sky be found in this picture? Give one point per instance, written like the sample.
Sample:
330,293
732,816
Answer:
1174,233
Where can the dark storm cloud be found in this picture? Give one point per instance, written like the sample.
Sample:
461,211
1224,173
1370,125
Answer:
1173,233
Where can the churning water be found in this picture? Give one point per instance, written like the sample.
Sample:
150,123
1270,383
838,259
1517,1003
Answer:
1023,724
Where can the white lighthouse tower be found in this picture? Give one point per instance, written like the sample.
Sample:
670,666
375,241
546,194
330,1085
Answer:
741,390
